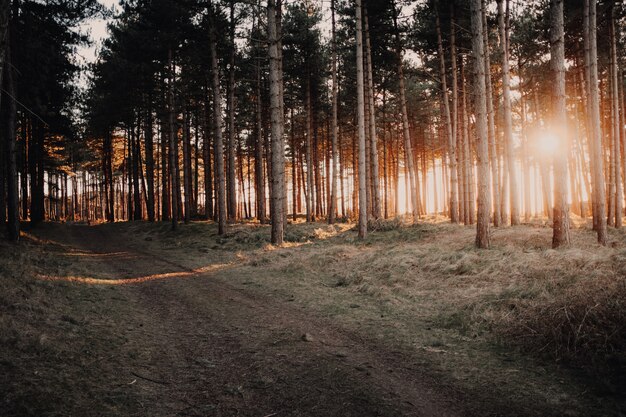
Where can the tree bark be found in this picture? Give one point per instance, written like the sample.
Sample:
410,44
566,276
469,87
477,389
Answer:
503,24
596,132
615,120
493,148
310,165
259,178
332,211
560,233
149,139
478,51
446,112
173,142
361,123
218,144
276,123
12,202
373,142
187,167
231,179
410,164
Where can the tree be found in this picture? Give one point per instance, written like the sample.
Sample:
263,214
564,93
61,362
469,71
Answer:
406,134
482,152
454,204
361,122
560,236
218,147
595,133
503,24
277,124
332,212
13,218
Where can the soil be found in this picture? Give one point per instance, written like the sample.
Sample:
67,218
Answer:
193,341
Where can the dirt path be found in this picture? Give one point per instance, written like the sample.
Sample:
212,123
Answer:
197,346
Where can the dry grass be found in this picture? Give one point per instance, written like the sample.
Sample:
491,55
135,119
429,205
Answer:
421,286
53,337
565,304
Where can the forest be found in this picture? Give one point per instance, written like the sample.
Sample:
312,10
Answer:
312,207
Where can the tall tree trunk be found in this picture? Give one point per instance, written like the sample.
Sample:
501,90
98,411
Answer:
310,165
615,120
173,141
136,146
482,151
208,168
525,146
276,123
294,166
410,164
25,127
5,12
376,210
503,24
149,139
361,123
165,188
596,133
187,167
12,202
218,144
231,179
259,178
560,235
451,120
332,212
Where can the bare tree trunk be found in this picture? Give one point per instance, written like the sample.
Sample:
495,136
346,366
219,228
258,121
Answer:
173,140
218,143
494,160
12,202
596,133
206,159
231,178
376,208
615,121
187,166
478,51
259,177
503,24
361,123
468,204
410,165
149,140
294,166
560,234
5,12
450,130
525,146
332,212
310,165
165,189
277,124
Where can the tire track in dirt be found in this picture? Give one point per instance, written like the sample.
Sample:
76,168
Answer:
202,347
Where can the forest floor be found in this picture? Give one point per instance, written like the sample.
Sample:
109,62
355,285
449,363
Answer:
134,319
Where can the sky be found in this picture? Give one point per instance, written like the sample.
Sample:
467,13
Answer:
97,28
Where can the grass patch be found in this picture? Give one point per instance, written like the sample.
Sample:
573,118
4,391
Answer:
54,337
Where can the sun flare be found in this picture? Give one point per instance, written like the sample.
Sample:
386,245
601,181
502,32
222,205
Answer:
546,144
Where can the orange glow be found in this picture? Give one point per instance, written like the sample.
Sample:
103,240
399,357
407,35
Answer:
98,255
136,280
547,144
